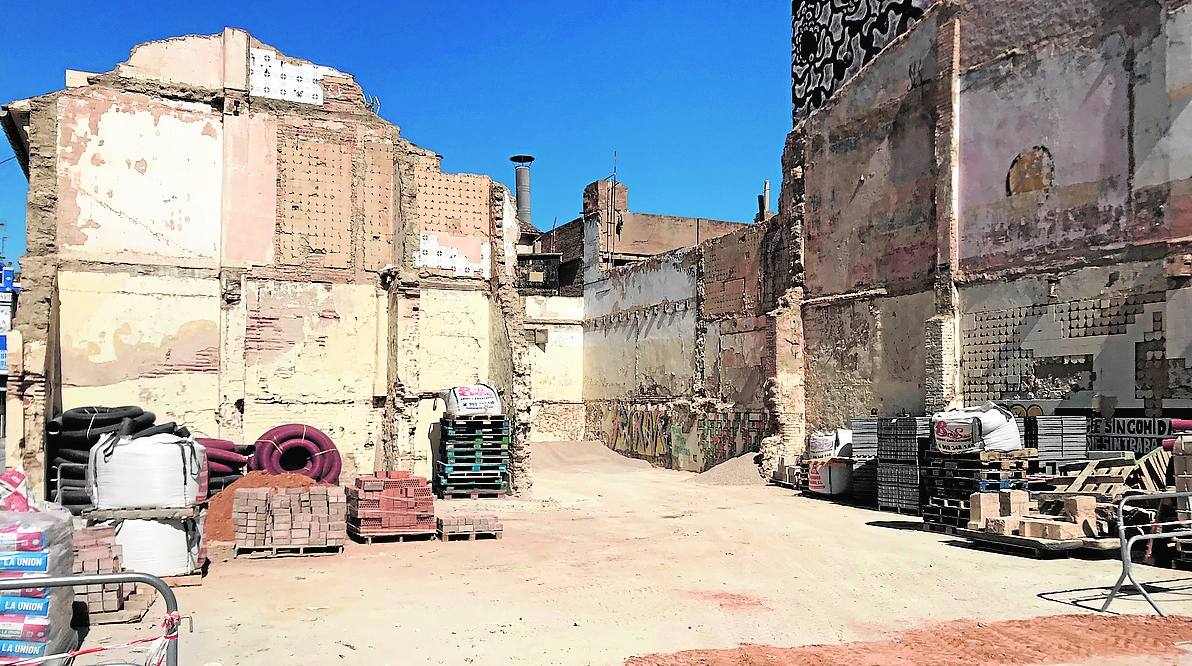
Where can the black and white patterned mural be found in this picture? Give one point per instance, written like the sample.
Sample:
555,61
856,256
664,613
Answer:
834,38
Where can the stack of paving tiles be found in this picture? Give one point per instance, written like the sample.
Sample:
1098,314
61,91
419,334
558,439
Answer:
290,519
900,446
469,527
865,460
1058,438
96,552
473,457
390,504
950,480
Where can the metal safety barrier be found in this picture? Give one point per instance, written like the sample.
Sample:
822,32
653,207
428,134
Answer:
1128,543
102,579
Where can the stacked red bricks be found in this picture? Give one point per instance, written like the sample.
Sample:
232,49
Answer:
282,518
96,552
390,503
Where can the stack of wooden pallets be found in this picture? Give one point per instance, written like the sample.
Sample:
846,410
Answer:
473,457
950,480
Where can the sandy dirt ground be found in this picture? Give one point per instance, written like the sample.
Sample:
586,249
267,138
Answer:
615,560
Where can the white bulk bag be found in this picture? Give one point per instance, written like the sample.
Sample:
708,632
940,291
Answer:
156,472
472,400
987,427
160,547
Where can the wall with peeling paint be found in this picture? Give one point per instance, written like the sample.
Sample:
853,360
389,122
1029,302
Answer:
223,248
138,179
129,338
555,350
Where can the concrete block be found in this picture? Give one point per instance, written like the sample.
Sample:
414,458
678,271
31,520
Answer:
1033,527
983,506
1060,530
1079,507
1013,502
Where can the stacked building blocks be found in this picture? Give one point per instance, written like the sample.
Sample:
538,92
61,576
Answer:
900,446
391,504
469,528
473,457
96,552
290,520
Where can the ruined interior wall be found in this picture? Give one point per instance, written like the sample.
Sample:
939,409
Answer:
870,244
139,179
142,338
311,357
555,350
1093,197
455,213
864,355
220,266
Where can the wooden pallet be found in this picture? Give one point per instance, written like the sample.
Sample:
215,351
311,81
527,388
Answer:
447,493
468,536
186,580
1038,548
142,514
264,552
400,536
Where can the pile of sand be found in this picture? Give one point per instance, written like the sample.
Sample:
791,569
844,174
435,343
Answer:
739,471
219,525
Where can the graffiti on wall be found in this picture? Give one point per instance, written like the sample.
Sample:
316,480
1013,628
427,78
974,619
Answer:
638,431
728,435
834,38
674,435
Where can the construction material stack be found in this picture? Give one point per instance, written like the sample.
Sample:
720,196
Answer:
470,528
900,445
96,552
390,504
1059,439
865,460
950,480
290,520
473,457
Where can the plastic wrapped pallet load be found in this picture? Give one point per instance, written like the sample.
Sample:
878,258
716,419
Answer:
157,472
35,542
987,427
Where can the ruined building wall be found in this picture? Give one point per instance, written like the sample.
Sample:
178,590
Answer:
1094,197
870,244
675,354
555,347
962,246
236,241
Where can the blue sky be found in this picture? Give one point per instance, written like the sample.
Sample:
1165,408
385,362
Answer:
694,95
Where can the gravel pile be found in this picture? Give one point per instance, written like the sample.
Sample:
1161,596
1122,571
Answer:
739,471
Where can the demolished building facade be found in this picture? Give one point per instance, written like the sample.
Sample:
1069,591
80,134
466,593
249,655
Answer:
232,237
940,240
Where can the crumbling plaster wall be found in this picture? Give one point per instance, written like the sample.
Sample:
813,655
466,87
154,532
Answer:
235,253
555,351
1101,214
869,175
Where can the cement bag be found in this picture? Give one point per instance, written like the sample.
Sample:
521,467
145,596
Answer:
987,427
821,445
830,477
160,547
35,621
156,472
472,400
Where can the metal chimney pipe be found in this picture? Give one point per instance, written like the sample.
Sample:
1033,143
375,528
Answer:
766,198
522,181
